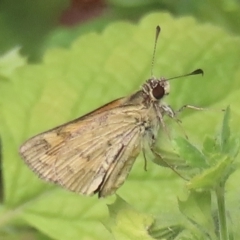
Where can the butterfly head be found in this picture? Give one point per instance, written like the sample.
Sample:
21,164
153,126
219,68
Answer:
156,88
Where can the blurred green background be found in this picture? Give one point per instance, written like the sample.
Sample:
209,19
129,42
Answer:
36,26
40,43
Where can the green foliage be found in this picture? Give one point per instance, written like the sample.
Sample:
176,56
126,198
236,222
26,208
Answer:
199,206
26,23
127,223
101,67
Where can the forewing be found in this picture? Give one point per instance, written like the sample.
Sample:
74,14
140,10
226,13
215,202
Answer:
82,155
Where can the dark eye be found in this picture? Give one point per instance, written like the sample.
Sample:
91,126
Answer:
158,91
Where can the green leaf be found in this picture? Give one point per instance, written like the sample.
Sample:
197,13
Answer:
223,143
209,146
95,70
229,145
168,233
127,223
225,131
197,209
211,177
190,153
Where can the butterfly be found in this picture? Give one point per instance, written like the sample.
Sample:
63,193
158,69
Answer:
95,153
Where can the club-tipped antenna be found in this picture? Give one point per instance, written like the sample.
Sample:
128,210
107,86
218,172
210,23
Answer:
195,72
158,30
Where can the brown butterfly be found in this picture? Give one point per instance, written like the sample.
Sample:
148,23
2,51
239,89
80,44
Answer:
95,153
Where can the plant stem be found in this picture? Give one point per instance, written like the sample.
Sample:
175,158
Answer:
223,231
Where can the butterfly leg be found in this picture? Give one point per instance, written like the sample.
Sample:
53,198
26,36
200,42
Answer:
165,163
172,114
190,107
145,159
196,108
160,117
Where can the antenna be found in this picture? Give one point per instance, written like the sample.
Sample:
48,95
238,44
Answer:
158,30
195,72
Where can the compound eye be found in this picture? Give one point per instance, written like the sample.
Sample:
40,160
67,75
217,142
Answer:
158,92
